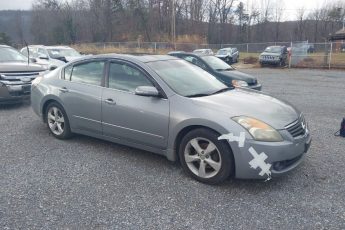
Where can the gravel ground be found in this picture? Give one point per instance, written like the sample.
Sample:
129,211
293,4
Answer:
85,183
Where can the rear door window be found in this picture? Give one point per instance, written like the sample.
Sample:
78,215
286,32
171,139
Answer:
87,73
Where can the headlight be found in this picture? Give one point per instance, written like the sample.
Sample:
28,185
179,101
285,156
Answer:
238,83
259,130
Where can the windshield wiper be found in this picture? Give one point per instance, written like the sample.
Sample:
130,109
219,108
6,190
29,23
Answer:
227,69
199,95
222,90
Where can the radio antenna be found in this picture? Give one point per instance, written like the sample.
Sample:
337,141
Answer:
27,48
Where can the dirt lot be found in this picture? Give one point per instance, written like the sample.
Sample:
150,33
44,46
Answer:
85,183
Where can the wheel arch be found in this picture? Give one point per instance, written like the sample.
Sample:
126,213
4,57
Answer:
183,129
46,102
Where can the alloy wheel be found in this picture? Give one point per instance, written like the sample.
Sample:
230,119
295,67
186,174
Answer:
202,157
56,120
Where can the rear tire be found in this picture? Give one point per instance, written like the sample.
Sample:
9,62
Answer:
57,121
204,157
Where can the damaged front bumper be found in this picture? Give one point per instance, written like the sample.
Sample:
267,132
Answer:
269,159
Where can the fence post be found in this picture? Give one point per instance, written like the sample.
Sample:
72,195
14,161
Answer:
247,47
290,54
330,56
155,47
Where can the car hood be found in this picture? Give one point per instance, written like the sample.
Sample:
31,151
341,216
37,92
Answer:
221,55
238,102
7,67
234,74
270,54
72,58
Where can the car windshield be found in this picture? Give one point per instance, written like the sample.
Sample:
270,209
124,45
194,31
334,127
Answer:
186,79
273,49
63,53
223,52
8,54
216,64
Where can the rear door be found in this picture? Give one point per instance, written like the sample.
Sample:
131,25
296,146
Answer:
125,115
81,94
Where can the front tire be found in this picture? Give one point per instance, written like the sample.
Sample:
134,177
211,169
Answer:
204,157
57,121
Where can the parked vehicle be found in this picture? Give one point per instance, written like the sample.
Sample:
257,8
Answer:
165,105
229,55
51,55
204,51
15,75
222,71
274,55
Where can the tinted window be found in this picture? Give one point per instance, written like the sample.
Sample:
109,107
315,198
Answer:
89,73
126,78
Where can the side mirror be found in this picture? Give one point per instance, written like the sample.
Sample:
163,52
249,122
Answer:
148,91
44,57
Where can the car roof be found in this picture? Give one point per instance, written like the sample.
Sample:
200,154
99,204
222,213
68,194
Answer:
193,54
49,47
140,58
58,47
201,49
276,46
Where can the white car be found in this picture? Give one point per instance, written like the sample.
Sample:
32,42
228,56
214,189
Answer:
51,56
229,55
203,51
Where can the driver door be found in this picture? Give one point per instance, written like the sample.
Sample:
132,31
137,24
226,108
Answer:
125,115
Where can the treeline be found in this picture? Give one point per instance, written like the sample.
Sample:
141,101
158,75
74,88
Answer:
209,21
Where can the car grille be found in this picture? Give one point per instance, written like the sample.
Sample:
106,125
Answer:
298,127
18,77
268,57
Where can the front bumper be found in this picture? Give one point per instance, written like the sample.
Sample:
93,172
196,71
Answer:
269,62
225,58
282,156
10,94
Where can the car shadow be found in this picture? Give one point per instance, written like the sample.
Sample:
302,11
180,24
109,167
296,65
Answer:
152,160
21,104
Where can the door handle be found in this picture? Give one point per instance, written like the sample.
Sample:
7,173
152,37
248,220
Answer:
110,101
63,89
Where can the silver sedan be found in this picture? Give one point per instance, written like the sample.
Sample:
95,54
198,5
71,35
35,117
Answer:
166,105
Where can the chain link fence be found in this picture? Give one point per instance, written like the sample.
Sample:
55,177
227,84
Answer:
301,54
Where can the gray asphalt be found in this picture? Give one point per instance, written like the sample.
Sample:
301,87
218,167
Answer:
86,183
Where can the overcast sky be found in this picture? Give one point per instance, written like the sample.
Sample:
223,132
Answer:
290,6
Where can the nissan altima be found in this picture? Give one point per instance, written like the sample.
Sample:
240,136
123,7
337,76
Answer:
170,107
